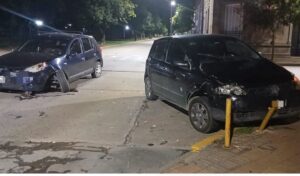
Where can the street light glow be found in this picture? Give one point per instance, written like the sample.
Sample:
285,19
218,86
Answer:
173,3
39,23
127,28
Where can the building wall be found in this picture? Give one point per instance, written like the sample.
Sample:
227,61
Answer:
214,15
198,18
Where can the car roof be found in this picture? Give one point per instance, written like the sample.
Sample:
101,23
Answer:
199,36
61,35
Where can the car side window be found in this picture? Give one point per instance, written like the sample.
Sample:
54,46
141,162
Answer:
238,49
176,53
86,44
160,50
75,48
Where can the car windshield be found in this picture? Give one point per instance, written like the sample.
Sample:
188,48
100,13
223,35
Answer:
211,49
53,47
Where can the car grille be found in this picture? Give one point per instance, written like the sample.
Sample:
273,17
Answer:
276,90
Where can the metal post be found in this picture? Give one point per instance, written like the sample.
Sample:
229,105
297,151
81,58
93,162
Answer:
228,123
267,118
124,33
171,21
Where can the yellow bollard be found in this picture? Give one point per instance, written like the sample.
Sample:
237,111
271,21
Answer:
267,118
228,123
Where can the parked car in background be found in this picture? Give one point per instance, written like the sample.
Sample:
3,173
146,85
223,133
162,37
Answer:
50,58
198,73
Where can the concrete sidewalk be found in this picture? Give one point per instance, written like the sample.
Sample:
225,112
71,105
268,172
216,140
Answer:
276,150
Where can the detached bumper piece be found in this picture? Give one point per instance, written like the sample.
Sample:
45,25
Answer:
247,109
23,81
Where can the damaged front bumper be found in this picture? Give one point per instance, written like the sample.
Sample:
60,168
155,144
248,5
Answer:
254,108
20,80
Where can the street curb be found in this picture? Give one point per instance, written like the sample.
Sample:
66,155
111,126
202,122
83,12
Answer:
197,147
289,64
129,42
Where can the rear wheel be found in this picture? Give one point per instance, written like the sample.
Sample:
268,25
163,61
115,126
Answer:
201,117
148,90
97,70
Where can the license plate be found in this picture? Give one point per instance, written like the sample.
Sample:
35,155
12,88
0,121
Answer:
2,79
281,104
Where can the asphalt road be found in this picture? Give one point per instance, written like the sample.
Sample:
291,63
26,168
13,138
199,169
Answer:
107,126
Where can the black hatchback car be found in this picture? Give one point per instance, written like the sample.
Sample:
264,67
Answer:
198,73
50,58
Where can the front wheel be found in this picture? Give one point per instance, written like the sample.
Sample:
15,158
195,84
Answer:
148,90
62,81
97,70
201,117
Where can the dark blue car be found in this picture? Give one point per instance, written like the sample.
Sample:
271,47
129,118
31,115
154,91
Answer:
50,59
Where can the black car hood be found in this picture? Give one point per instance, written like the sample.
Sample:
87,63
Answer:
247,73
23,60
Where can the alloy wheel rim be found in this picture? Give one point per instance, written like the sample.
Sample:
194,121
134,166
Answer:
148,87
199,115
98,69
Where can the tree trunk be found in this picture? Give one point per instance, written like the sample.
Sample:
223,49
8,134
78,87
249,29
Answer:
273,45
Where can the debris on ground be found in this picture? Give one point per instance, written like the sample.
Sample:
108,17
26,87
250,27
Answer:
18,117
26,96
163,142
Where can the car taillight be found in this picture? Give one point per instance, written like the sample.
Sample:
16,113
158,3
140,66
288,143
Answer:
296,80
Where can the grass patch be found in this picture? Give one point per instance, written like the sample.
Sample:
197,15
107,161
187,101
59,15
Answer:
116,42
244,130
6,44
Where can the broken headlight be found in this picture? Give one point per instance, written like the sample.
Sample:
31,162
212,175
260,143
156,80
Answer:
230,90
36,68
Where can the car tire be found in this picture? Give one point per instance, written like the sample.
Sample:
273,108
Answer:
63,81
148,90
201,116
97,70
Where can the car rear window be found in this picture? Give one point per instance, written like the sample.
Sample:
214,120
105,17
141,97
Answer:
159,50
219,48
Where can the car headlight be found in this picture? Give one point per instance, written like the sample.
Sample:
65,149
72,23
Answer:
230,90
36,68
